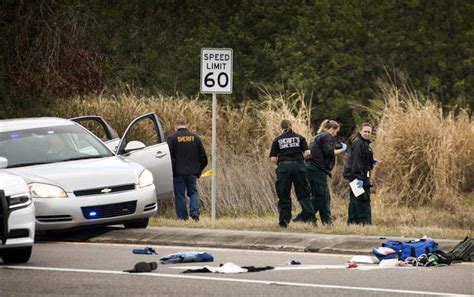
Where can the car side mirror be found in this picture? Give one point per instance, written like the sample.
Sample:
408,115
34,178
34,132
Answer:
3,162
133,146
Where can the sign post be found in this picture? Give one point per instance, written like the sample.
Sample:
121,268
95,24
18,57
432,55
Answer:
216,78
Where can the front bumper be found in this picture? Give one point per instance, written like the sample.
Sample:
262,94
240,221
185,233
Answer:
66,213
21,224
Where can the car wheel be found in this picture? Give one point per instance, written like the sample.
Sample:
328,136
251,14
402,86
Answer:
137,224
17,255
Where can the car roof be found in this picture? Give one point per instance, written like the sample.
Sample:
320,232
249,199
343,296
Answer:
28,123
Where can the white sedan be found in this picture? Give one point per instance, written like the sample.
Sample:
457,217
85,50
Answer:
17,219
76,180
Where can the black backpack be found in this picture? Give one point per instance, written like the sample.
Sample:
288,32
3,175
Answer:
464,251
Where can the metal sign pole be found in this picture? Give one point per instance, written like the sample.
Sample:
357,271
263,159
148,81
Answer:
216,78
214,161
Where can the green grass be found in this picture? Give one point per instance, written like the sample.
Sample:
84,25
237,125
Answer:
388,220
269,223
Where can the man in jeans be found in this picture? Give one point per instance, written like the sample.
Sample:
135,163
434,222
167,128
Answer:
189,160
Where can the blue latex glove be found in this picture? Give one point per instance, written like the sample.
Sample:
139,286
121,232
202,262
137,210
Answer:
374,162
344,147
359,183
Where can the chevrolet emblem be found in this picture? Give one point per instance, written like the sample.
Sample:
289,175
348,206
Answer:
105,190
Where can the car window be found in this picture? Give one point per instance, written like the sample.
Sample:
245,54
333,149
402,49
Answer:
144,130
50,144
96,128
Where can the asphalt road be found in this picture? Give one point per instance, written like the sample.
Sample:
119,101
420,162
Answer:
97,270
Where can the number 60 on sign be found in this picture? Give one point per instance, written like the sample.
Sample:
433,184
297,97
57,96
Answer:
216,70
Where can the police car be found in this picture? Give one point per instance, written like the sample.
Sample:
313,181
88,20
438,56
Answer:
78,179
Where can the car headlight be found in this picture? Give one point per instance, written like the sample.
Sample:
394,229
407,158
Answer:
19,201
145,179
46,191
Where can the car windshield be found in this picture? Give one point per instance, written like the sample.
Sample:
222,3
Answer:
49,145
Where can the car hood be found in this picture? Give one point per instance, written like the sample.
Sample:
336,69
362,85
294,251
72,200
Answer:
82,174
12,184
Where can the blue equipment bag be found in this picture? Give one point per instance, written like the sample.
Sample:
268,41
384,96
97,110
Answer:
412,248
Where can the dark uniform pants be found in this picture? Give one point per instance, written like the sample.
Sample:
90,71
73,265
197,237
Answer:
288,173
359,208
321,197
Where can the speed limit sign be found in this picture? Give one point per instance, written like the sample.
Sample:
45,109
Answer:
216,70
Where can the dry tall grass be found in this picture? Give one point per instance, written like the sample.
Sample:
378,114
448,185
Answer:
425,155
120,110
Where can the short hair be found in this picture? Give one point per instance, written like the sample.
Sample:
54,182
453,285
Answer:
180,122
285,124
365,124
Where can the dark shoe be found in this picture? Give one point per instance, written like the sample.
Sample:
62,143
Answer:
195,218
143,267
299,218
283,225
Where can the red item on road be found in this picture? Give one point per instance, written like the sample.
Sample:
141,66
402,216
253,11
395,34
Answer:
351,265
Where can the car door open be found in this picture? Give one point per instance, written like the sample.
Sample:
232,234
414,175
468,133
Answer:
155,155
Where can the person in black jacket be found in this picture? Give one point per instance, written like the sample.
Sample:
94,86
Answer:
320,164
189,159
289,150
359,162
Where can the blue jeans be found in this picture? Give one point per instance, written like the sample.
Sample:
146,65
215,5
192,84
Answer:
186,184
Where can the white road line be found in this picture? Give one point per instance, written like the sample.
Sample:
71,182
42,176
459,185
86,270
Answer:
250,281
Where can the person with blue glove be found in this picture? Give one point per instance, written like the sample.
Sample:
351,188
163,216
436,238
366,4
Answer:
359,162
320,164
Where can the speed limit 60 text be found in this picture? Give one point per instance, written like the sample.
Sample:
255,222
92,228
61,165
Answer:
216,71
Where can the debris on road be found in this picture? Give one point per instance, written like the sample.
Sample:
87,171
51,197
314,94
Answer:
145,251
186,257
352,265
364,260
228,267
143,267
